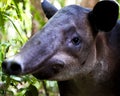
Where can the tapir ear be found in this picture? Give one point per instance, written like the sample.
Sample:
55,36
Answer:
48,9
104,15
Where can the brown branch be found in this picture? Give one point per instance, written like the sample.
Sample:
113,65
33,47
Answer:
35,24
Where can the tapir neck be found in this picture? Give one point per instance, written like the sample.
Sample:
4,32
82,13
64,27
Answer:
85,87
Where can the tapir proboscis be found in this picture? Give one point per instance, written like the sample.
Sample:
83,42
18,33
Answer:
78,47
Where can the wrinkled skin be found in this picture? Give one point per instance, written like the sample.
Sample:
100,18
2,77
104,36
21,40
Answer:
72,50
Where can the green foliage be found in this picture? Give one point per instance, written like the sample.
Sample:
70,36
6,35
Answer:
15,30
118,1
61,2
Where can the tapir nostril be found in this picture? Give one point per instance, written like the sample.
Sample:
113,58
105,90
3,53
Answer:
11,68
15,68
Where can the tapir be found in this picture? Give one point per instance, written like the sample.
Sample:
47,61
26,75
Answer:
78,47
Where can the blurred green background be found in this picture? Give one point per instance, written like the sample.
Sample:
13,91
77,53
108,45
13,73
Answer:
19,20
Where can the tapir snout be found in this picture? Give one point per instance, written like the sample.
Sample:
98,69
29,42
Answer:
36,54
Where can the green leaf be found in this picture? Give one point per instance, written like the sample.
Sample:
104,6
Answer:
32,91
17,9
1,57
3,21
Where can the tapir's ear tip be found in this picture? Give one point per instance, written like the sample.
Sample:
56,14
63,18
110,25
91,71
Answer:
104,15
48,8
106,4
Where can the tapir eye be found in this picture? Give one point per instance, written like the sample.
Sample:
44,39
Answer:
76,41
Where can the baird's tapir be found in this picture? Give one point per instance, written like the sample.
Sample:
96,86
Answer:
78,47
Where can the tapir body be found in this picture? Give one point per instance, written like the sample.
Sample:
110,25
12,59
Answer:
78,47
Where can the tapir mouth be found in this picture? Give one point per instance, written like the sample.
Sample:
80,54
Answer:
49,69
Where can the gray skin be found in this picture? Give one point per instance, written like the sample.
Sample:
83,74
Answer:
78,47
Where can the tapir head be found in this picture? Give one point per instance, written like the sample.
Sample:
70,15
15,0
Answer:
65,47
